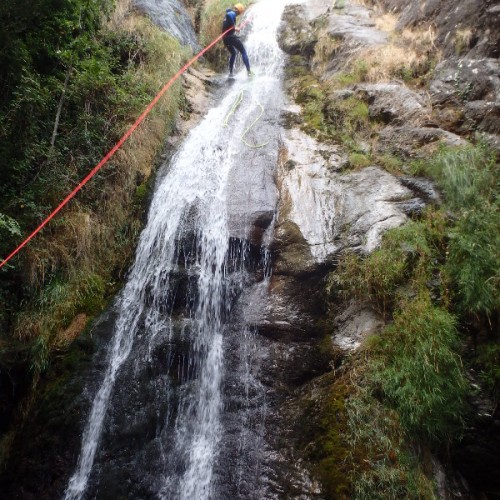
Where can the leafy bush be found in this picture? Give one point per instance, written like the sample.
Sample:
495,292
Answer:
384,464
467,175
474,261
64,55
407,255
469,179
416,365
488,365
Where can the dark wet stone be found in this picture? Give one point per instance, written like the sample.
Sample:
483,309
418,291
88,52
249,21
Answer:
296,37
421,186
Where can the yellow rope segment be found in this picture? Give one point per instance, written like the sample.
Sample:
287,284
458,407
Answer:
233,109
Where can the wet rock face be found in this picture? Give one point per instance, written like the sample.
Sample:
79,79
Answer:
172,16
252,196
252,193
354,324
333,210
296,35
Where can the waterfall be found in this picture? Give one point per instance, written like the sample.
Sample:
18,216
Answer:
156,424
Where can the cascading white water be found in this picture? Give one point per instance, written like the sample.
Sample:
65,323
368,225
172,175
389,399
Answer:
191,197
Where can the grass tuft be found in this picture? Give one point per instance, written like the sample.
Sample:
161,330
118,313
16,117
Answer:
469,178
416,365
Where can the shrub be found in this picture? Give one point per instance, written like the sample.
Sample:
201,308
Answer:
416,365
467,175
488,366
384,464
407,255
474,261
469,179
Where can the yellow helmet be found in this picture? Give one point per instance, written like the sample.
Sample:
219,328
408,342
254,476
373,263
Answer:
240,8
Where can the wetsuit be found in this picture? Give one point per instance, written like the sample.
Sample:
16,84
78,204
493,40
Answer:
232,42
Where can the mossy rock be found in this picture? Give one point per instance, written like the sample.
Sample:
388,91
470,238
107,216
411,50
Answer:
320,424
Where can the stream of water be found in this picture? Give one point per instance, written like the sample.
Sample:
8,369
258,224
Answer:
157,427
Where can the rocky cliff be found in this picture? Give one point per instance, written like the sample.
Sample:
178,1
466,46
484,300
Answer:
375,90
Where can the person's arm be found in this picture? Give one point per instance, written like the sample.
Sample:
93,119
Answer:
232,17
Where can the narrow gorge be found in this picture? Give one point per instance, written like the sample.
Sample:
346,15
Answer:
312,308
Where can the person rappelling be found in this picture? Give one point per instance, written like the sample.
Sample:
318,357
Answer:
231,41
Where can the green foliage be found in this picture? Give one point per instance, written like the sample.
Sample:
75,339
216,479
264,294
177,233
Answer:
60,301
384,465
140,193
347,117
9,226
297,67
61,55
39,355
488,365
467,175
470,182
100,94
359,160
416,365
357,74
322,436
389,162
474,261
407,255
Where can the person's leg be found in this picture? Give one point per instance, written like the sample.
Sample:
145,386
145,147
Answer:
239,45
232,57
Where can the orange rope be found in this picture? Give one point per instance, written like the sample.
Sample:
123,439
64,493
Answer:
115,148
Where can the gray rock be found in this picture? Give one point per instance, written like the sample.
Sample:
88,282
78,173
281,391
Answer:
171,15
393,103
448,17
407,140
353,326
485,114
356,30
334,210
460,80
355,27
421,186
493,141
295,34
